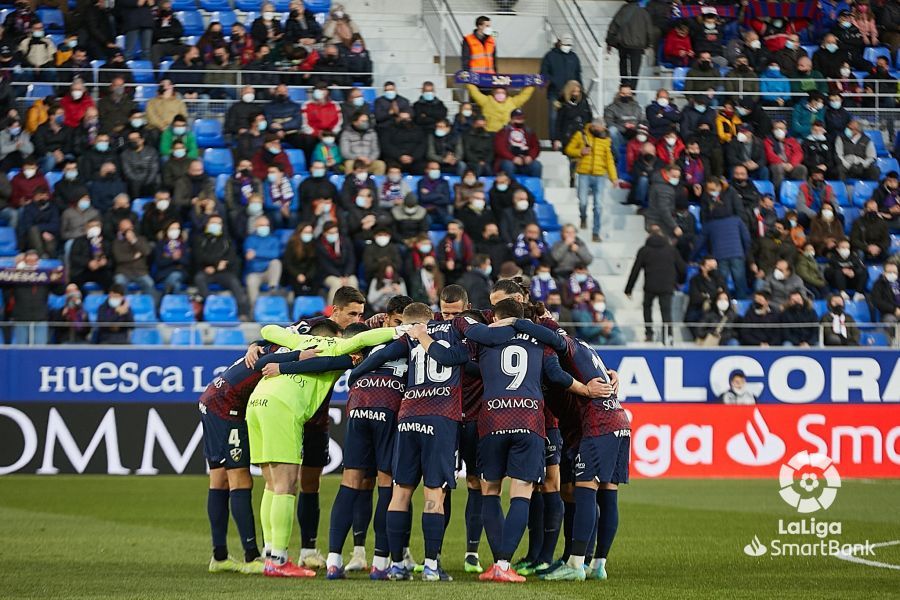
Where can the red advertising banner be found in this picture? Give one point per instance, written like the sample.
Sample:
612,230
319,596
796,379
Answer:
754,441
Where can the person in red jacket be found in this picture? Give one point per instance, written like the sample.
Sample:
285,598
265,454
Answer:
516,148
26,182
670,147
677,47
271,154
75,104
784,155
634,148
319,114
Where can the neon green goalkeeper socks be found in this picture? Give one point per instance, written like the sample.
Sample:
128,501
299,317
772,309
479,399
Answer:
265,516
283,511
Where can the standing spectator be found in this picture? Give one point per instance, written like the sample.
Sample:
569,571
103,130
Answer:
137,22
703,289
131,253
171,259
530,248
357,61
389,105
337,261
665,193
262,264
708,35
630,32
75,325
360,142
477,281
784,155
855,154
76,217
301,26
729,244
573,112
428,109
117,317
215,261
140,165
846,272
516,148
663,270
479,49
596,166
798,312
623,116
870,235
91,257
167,32
760,323
596,324
885,296
559,66
39,225
569,251
839,328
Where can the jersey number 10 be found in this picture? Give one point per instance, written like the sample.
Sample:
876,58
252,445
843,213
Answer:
424,364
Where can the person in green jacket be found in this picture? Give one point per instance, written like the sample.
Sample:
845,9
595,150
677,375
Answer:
178,130
807,113
807,79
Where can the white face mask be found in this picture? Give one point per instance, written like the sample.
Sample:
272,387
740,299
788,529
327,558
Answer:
478,205
664,102
723,305
890,277
844,252
488,30
670,141
382,240
29,173
641,137
77,94
325,208
566,48
778,274
248,97
174,234
600,307
93,232
361,201
544,275
268,16
845,72
254,209
522,205
779,134
755,44
162,205
115,302
742,137
827,215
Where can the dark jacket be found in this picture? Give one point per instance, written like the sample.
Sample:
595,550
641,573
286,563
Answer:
478,285
45,217
761,331
208,250
426,114
81,254
46,140
662,265
571,118
478,147
383,115
339,266
691,119
882,297
166,262
794,316
631,28
558,67
727,238
239,116
661,119
400,140
285,112
870,229
734,152
135,16
704,289
117,334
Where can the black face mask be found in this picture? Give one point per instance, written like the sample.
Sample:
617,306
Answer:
837,309
705,64
757,305
739,182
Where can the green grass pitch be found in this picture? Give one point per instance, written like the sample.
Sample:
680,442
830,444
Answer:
134,537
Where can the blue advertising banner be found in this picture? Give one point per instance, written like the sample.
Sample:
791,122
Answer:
172,375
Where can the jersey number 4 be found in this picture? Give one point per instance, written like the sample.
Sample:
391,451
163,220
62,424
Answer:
425,365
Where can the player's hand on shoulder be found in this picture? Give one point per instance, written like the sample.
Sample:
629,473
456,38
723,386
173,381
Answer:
310,353
417,331
252,355
503,322
271,370
401,330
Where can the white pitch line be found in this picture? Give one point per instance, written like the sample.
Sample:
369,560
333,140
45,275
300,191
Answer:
850,557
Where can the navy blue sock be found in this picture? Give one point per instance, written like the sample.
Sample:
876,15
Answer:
592,542
433,532
608,501
217,509
553,516
568,520
473,520
585,519
408,532
362,514
397,531
492,517
242,513
342,513
382,546
535,526
308,516
448,508
514,526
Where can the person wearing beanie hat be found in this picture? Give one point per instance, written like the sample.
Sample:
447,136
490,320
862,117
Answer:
636,144
560,65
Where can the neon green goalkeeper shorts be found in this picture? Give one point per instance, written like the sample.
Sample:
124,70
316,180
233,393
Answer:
275,431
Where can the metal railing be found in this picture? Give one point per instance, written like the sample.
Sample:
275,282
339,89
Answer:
441,24
566,16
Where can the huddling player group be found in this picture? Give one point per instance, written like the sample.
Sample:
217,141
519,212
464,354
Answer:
505,391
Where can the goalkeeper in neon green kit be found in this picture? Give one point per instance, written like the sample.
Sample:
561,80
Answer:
276,412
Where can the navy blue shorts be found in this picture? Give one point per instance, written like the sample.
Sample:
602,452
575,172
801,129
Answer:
425,449
315,449
553,447
468,446
567,466
603,458
516,455
369,441
225,443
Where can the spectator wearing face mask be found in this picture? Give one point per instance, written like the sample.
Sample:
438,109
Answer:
516,148
808,270
426,283
630,33
826,231
499,106
491,244
140,166
749,48
850,37
855,154
300,261
327,152
781,282
846,272
573,112
530,248
677,47
885,296
455,252
645,166
434,193
758,323
670,147
814,194
886,194
271,154
382,251
131,254
389,105
474,214
39,225
703,75
774,86
316,189
364,217
747,150
26,183
165,106
393,189
662,115
74,323
405,144
797,312
76,217
635,146
280,201
870,235
178,131
517,218
543,283
807,113
262,259
623,116
356,58
596,167
559,66
337,260
195,187
719,317
90,258
360,142
116,313
215,261
15,144
807,79
266,28
839,328
428,109
817,150
830,56
171,258
445,148
784,155
478,148
737,394
596,324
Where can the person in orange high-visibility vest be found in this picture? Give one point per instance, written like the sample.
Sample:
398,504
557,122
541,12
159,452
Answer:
479,50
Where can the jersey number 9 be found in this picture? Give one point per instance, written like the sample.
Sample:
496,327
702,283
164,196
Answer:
514,362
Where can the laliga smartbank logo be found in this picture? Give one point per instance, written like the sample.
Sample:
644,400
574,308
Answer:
809,483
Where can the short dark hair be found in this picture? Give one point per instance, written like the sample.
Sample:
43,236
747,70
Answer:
508,286
397,305
480,259
474,314
117,288
347,295
354,328
509,308
454,293
481,20
326,327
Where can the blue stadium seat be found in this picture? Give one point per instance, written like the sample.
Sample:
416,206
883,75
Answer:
780,211
143,308
679,75
53,178
553,237
789,191
192,21
872,53
887,164
146,336
850,215
183,336
221,182
840,192
144,92
39,90
283,236
436,235
876,338
297,94
226,18
875,272
57,38
216,5
369,95
176,308
249,17
338,181
878,140
820,306
52,18
764,186
694,209
533,185
689,274
56,301
281,5
546,217
318,6
307,306
180,5
297,159
228,336
810,50
862,191
895,244
858,310
8,241
452,180
217,161
142,71
92,303
138,204
246,5
271,309
741,306
220,308
209,133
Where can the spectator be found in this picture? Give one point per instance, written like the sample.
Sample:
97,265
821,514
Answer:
697,171
573,112
635,146
37,52
474,214
426,283
745,190
115,107
178,132
301,26
299,261
131,253
221,74
137,23
514,219
796,313
339,28
850,38
595,323
76,217
196,186
596,166
817,150
455,252
383,286
663,270
808,270
837,117
74,324
327,152
468,185
356,181
172,260
501,193
262,264
91,257
729,243
280,202
719,318
702,291
357,61
215,261
25,183
559,66
889,21
445,148
805,114
727,122
742,81
825,231
115,66
478,148
284,111
428,109
381,251
569,251
176,168
669,148
543,283
839,328
581,283
360,142
242,113
870,235
410,219
434,193
846,271
855,154
516,148
364,217
774,86
530,248
829,57
117,316
271,154
39,225
477,281
808,80
703,75
885,296
782,282
15,144
750,48
774,245
140,165
491,244
623,116
337,261
266,28
747,150
665,193
164,107
677,47
75,104
760,323
886,195
389,105
753,115
847,88
737,393
167,33
784,155
645,167
404,143
662,115
394,189
479,49
106,188
814,194
630,32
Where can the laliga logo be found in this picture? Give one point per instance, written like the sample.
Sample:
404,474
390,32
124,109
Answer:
817,480
757,446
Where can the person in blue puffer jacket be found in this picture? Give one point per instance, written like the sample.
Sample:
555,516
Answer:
262,252
774,86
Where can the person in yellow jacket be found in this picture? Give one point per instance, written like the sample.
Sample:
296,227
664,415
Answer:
596,165
498,106
727,122
37,114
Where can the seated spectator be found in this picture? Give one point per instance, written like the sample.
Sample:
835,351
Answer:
560,313
357,61
885,296
837,117
595,323
262,264
76,66
464,119
753,114
115,66
271,154
870,236
750,49
241,113
784,155
703,75
702,290
115,107
455,252
727,122
474,214
69,189
284,111
382,251
176,168
445,148
85,135
466,188
817,150
327,152
358,179
410,220
196,186
91,162
826,232
596,167
140,166
581,283
178,131
39,225
477,281
491,244
299,261
855,154
164,107
846,89
171,258
389,105
280,201
808,270
117,316
251,138
499,106
808,80
25,183
74,323
15,144
515,219
635,146
364,217
677,47
19,22
530,248
404,143
569,252
623,116
839,328
774,86
167,33
158,215
76,217
131,254
737,393
301,26
109,197
478,147
747,150
221,74
781,282
215,261
75,103
383,286
53,142
428,109
797,312
670,147
662,115
830,56
426,283
760,321
742,81
337,261
394,188
707,35
814,194
719,317
516,148
543,283
434,193
360,142
645,167
694,115
886,195
846,272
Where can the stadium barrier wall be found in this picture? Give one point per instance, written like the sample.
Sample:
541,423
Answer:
134,411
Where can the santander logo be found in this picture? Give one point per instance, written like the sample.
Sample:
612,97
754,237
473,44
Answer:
756,446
